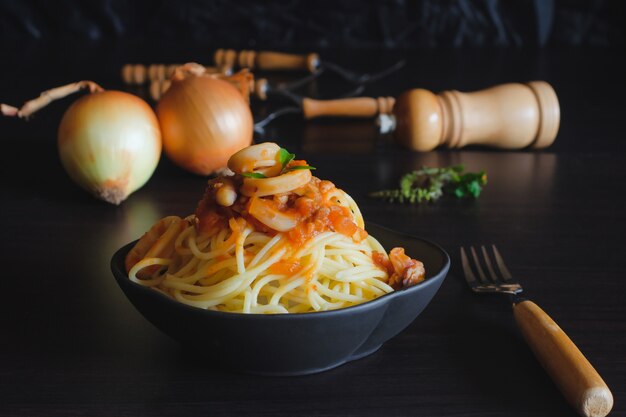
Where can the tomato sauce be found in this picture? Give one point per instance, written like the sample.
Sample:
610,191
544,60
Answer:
285,268
312,208
383,262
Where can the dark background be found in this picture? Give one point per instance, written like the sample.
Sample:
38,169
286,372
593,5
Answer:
389,24
71,344
478,43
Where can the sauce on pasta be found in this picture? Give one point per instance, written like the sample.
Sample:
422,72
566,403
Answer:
272,238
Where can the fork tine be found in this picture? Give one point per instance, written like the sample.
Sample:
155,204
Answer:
500,279
492,273
479,268
503,269
467,269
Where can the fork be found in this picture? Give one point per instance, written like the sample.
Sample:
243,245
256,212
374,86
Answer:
575,377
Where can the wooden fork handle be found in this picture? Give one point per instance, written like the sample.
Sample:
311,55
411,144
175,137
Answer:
266,60
347,107
575,377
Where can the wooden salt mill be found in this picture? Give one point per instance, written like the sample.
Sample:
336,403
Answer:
509,116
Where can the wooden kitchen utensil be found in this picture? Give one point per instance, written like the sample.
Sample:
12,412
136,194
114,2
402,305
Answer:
138,74
228,59
570,370
266,60
510,116
159,77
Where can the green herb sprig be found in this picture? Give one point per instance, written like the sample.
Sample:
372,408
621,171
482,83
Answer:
284,157
430,184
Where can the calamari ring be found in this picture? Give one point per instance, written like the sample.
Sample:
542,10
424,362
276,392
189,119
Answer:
261,187
264,211
156,242
261,158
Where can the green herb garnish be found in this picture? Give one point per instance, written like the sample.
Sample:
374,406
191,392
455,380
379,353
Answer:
284,157
430,184
297,167
253,175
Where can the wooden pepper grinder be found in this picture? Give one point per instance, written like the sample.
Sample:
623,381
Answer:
509,116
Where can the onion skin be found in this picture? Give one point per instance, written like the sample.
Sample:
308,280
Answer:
110,144
203,121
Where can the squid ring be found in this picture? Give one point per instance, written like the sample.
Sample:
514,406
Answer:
261,187
261,158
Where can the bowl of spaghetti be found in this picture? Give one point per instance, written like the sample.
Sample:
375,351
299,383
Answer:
276,272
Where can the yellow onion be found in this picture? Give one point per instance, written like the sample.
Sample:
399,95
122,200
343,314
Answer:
203,121
110,143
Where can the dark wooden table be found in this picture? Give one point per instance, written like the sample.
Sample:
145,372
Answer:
72,345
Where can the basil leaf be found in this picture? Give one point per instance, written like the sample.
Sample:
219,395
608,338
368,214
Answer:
253,175
297,167
284,157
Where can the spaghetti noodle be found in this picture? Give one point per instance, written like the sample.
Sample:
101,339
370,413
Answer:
270,239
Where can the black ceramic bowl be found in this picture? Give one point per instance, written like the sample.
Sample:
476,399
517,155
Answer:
293,344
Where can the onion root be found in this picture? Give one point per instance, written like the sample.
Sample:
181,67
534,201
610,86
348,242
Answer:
57,93
7,110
